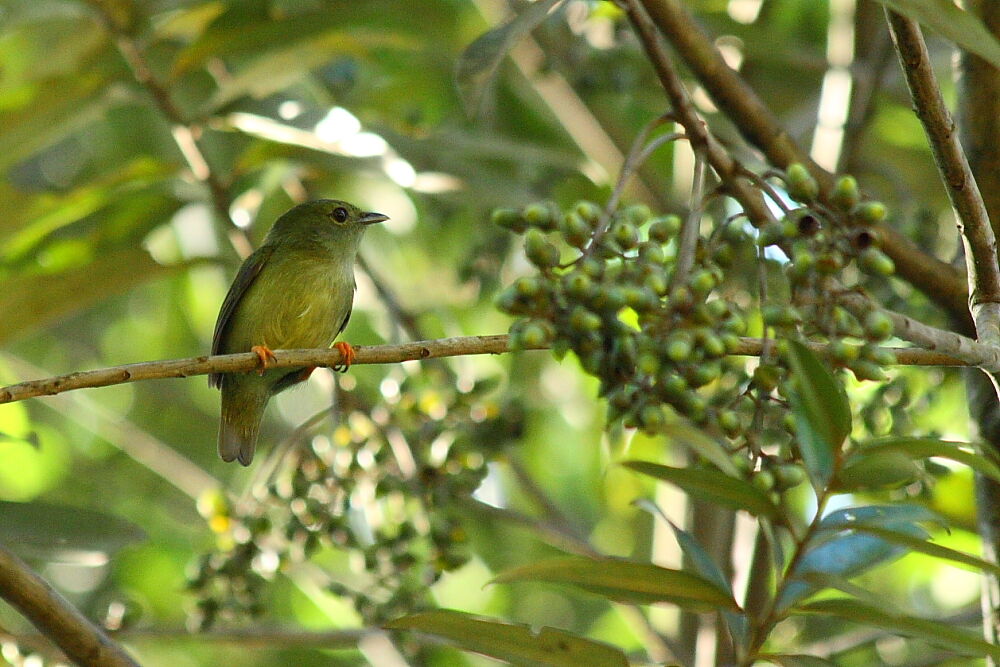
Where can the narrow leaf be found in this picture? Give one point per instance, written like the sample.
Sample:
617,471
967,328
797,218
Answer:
933,632
626,581
515,643
869,469
710,485
478,64
923,448
822,413
702,444
887,516
67,534
955,24
931,549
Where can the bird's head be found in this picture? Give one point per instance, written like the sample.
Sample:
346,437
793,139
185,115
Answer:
323,220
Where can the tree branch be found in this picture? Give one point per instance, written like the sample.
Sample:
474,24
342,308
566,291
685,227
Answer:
746,110
973,221
944,349
82,641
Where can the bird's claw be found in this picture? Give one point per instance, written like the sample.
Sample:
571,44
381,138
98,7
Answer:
346,356
265,355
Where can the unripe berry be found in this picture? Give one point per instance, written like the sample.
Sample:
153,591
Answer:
878,325
772,233
788,475
583,321
578,284
588,211
843,352
656,283
540,252
663,229
868,370
625,235
874,261
510,219
763,480
671,384
730,423
845,193
592,267
871,213
539,215
575,230
882,356
766,377
735,232
802,186
637,214
651,253
702,282
651,419
528,286
534,334
678,346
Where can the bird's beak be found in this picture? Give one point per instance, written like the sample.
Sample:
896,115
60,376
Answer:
372,218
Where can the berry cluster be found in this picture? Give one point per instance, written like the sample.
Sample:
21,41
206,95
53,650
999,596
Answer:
652,335
385,488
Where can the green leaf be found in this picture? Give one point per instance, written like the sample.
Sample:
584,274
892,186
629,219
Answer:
517,644
702,444
923,546
837,550
933,632
710,485
626,581
923,448
955,24
67,534
71,290
876,470
478,64
795,660
822,413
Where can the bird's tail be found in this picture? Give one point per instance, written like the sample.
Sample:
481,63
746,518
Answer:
242,412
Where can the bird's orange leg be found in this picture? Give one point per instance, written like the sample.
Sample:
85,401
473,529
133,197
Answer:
346,356
265,355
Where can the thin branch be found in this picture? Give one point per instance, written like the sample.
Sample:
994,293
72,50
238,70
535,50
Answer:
944,348
973,221
746,110
82,641
690,231
729,170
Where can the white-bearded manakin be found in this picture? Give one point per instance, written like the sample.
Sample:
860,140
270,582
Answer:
295,291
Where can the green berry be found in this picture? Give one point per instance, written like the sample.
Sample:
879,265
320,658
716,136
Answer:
766,377
588,211
882,356
665,228
704,373
878,325
678,346
702,282
843,352
770,234
868,370
763,480
681,298
656,283
802,186
575,230
845,193
625,234
651,253
874,261
871,213
539,215
592,268
730,423
637,214
651,419
528,286
510,219
735,232
788,475
540,252
534,335
671,384
714,346
583,321
578,285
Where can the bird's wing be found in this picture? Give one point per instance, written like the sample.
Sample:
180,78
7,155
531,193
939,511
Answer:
247,274
347,318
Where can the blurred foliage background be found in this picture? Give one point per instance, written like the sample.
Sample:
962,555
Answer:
145,146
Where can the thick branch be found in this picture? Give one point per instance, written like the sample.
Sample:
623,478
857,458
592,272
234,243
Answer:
82,641
755,121
973,220
944,349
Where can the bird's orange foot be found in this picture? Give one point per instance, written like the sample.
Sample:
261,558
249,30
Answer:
265,355
346,356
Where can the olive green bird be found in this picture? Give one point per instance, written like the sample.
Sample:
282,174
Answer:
295,291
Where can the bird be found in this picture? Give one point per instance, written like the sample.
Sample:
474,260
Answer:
295,291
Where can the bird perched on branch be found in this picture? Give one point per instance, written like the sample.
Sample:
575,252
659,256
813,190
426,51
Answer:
295,291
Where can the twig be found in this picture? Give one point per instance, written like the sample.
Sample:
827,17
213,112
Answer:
82,641
973,221
945,349
729,170
744,108
687,244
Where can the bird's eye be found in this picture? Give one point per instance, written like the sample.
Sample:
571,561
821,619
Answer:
339,214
